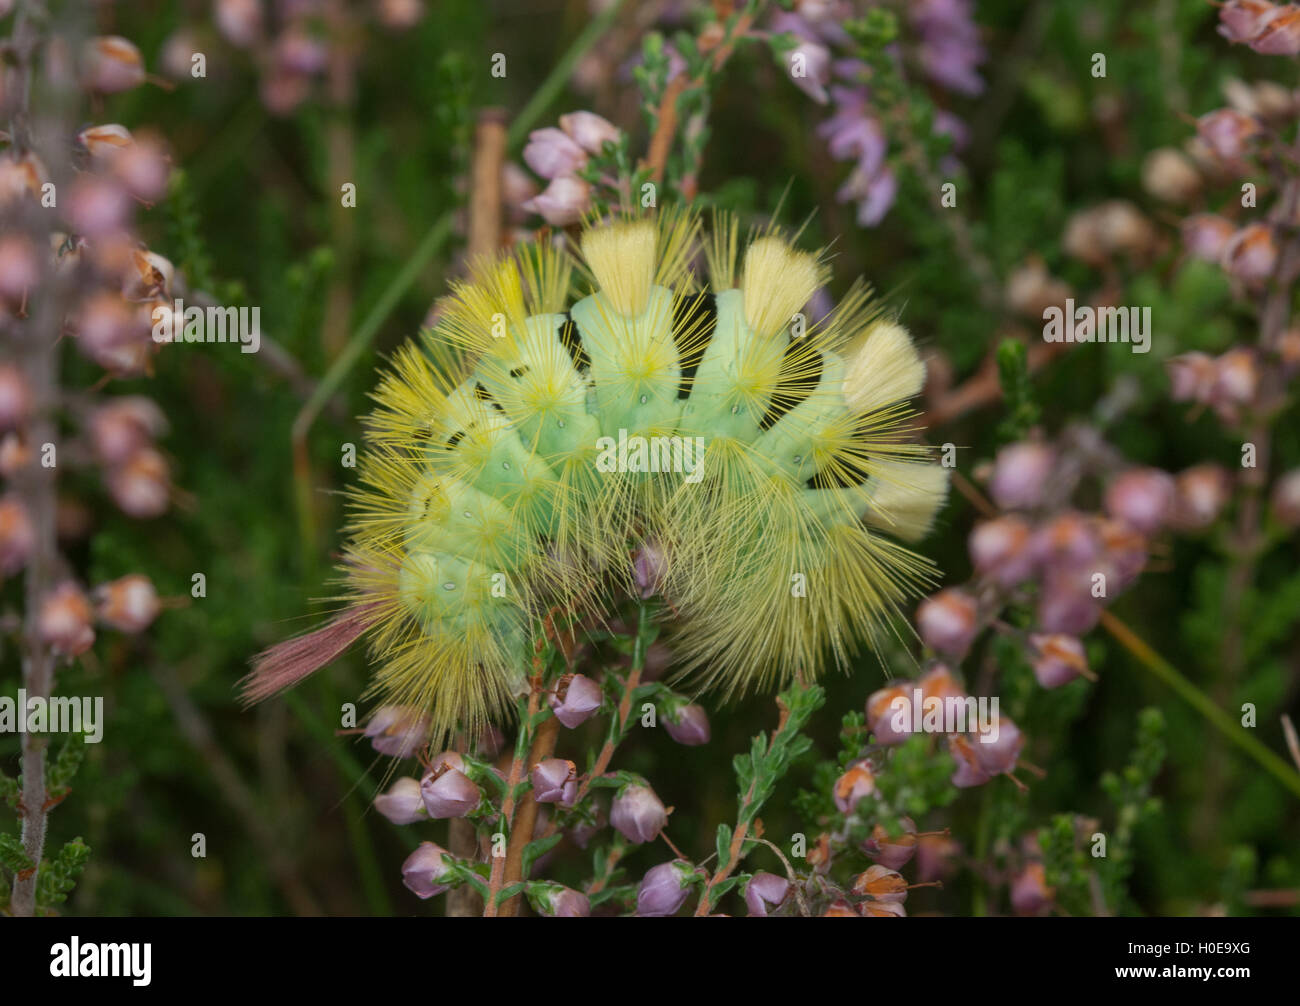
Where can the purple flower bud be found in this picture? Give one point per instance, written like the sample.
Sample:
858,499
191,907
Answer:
448,792
947,622
1058,658
1243,20
1281,35
638,814
763,890
649,567
1191,375
1250,255
397,731
423,868
552,154
403,803
691,726
1202,492
663,889
1067,541
564,903
889,713
1020,473
576,701
589,130
555,781
561,203
1225,131
1141,497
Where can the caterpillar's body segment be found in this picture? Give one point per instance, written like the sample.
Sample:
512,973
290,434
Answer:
489,493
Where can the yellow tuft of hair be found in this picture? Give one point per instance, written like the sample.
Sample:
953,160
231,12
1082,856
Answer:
777,282
905,497
881,367
621,257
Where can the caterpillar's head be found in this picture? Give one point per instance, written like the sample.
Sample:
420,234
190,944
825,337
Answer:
535,440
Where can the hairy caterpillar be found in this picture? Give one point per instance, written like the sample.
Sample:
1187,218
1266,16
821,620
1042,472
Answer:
487,493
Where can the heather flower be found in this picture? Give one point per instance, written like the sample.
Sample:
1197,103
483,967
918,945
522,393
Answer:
889,850
129,604
551,153
64,622
1020,474
1030,894
448,792
558,902
638,814
689,725
1141,497
1285,499
1058,658
397,731
1205,235
948,622
882,883
403,803
764,891
1200,495
1226,132
855,784
563,202
664,888
1000,550
555,781
589,131
423,868
576,700
1250,255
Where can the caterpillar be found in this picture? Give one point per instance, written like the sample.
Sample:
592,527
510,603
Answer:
526,444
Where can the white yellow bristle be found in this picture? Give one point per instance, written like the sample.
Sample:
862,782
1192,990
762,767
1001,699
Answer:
777,282
905,498
882,367
621,257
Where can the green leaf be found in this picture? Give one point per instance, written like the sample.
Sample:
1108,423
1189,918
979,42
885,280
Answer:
12,856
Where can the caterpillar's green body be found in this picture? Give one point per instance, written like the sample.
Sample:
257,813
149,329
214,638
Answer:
484,503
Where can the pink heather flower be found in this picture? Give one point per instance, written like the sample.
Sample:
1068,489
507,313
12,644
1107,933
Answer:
638,814
1030,894
564,903
298,51
144,169
1205,235
555,780
947,622
1201,493
15,397
589,131
517,188
809,65
1285,499
891,851
111,64
1066,604
689,727
448,793
104,141
397,731
128,604
97,207
403,803
1141,497
563,202
19,269
124,424
423,868
1226,132
1281,35
1250,255
969,771
764,890
552,153
998,750
240,21
64,621
1068,540
1191,376
1058,659
855,784
397,15
1125,551
576,701
17,535
141,486
889,713
1243,20
1020,474
663,889
1000,550
882,910
1236,382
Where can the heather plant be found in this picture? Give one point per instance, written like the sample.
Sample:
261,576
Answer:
822,458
